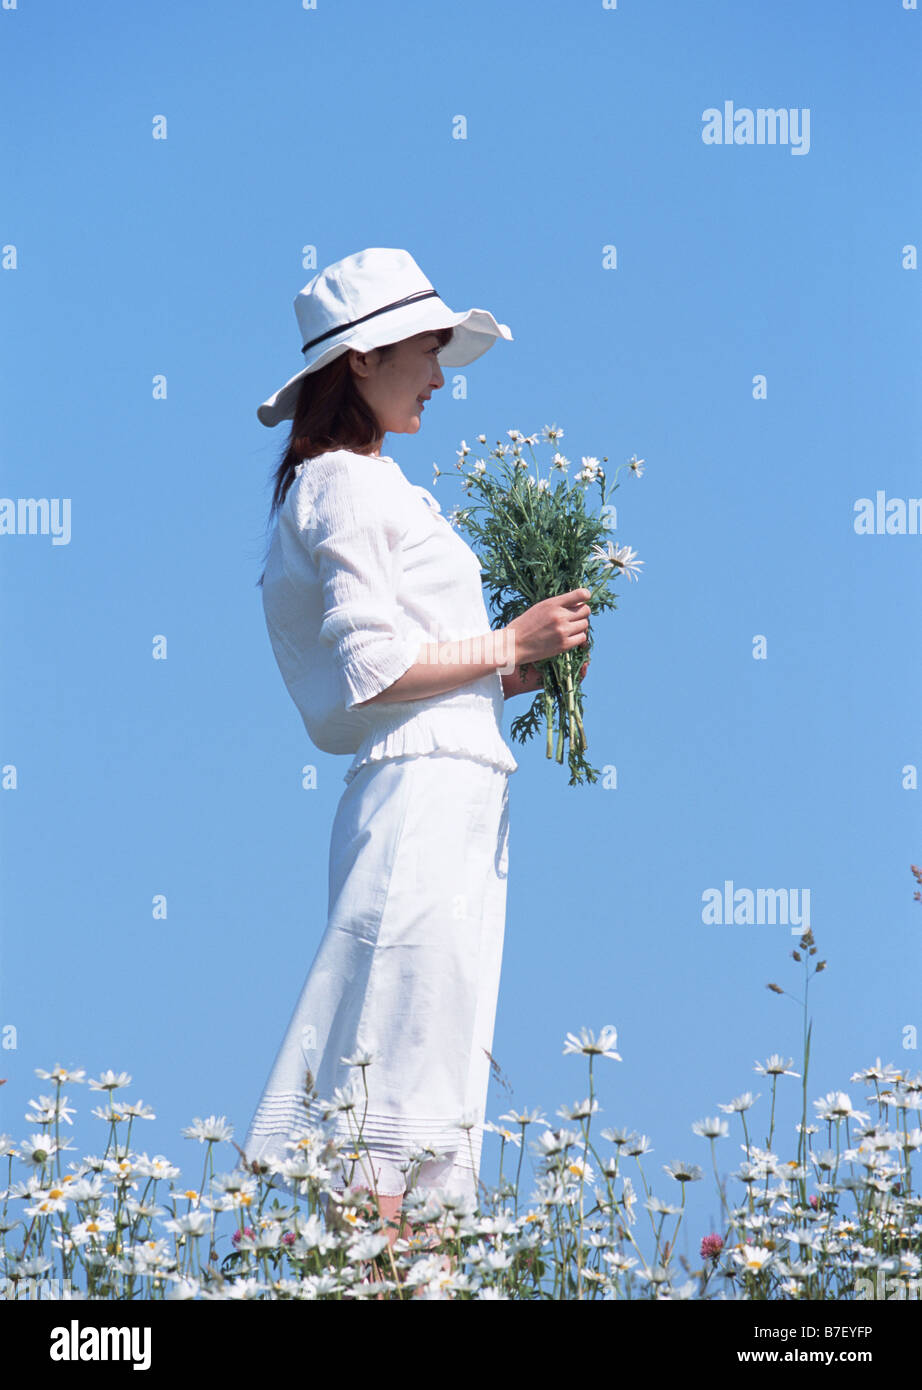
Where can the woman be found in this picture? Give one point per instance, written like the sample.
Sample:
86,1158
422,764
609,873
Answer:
370,596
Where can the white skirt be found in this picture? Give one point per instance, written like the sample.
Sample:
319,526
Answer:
407,968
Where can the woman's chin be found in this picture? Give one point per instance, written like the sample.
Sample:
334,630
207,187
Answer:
410,425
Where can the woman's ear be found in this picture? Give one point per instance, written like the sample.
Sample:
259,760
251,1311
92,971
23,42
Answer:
358,361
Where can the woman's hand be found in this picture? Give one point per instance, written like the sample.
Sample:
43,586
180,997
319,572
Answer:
515,684
543,631
550,627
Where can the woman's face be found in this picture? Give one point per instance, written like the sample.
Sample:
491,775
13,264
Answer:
396,385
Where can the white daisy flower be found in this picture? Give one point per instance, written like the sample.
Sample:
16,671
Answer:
191,1223
366,1246
94,1228
138,1110
53,1200
360,1058
589,1045
47,1109
524,1117
619,1261
753,1257
121,1170
744,1102
638,1145
590,470
878,1073
555,1141
245,1288
507,1134
37,1149
110,1081
580,1170
629,1201
661,1208
182,1287
236,1181
776,1066
582,1110
837,1105
111,1115
60,1074
157,1167
86,1189
213,1130
683,1172
621,558
708,1128
618,1136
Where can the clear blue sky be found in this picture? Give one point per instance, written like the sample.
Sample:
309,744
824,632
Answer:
332,128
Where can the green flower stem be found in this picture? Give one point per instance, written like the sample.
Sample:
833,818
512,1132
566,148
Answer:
570,709
518,1171
771,1125
720,1185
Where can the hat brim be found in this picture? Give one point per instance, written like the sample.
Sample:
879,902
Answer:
476,330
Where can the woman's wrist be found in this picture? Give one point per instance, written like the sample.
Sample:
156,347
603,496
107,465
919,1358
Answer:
515,683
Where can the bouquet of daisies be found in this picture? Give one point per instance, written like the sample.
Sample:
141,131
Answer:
535,540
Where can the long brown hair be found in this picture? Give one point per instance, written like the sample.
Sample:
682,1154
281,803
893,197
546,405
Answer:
329,414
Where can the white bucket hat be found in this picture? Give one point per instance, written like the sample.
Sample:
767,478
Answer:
374,297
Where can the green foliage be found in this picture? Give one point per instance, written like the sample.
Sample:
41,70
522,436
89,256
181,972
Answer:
536,540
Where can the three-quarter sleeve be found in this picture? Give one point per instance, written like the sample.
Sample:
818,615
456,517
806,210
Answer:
353,522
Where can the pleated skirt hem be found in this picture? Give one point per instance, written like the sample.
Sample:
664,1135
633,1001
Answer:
407,972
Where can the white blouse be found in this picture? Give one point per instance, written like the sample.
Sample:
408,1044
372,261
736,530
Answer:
361,571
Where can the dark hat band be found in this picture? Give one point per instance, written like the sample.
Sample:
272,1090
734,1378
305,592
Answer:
410,299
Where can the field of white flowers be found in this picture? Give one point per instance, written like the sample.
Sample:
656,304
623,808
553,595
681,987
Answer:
839,1220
